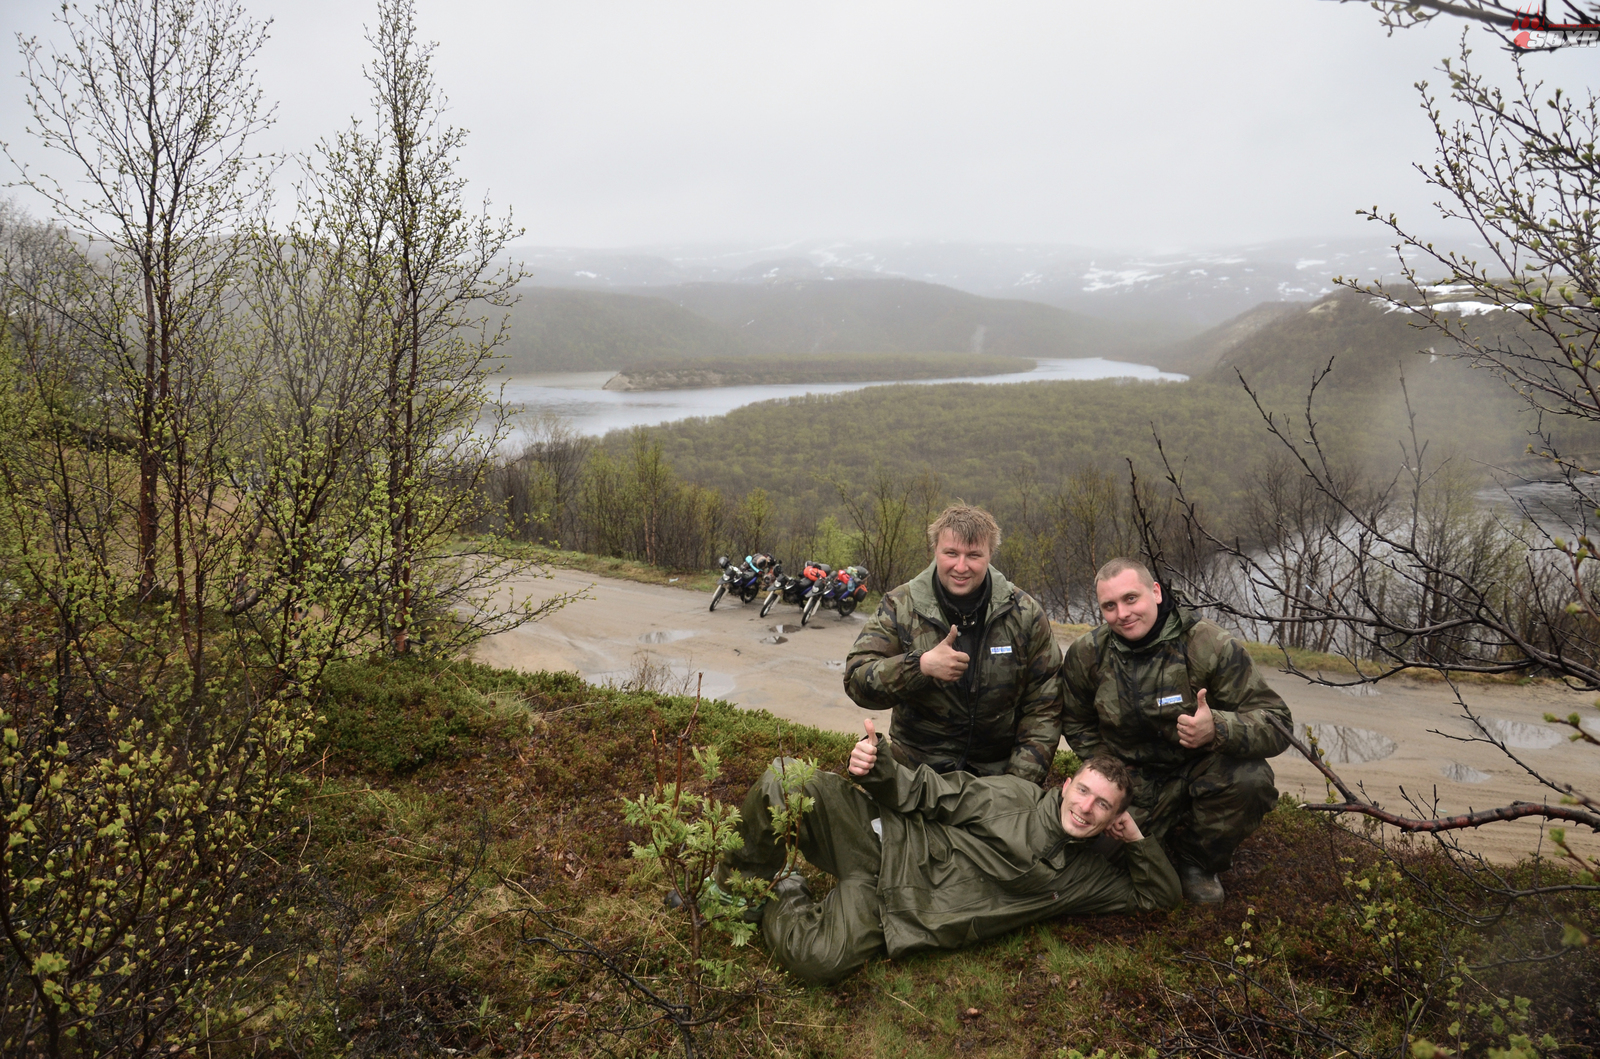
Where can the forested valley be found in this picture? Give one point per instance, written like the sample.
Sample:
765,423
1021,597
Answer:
259,504
830,477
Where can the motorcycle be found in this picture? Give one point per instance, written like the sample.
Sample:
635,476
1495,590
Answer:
795,590
843,591
772,582
746,579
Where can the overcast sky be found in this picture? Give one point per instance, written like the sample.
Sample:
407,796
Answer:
1163,125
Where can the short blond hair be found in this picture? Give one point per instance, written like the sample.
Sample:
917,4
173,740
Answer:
1122,565
971,525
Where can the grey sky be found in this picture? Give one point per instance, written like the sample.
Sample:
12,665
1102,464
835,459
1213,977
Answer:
1159,125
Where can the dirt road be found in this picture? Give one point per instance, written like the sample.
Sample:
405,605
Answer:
796,673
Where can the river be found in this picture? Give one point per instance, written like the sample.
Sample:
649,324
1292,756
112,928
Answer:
578,397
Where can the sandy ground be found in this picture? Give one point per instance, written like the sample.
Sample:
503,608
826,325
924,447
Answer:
796,673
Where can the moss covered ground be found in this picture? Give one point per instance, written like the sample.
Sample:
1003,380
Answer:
468,887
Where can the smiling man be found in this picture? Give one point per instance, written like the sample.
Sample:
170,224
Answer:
1179,701
965,659
931,861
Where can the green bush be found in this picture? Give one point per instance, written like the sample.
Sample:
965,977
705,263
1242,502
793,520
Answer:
394,717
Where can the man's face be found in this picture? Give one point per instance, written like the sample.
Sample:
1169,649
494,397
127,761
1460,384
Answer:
1129,605
1089,803
960,565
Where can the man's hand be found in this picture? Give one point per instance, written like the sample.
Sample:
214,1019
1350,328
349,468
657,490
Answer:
1123,829
944,662
864,754
1198,730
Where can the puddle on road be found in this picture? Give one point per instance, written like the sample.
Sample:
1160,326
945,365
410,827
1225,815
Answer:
1455,770
665,636
1521,735
1345,745
780,633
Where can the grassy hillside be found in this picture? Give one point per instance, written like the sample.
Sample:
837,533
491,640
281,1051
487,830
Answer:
767,369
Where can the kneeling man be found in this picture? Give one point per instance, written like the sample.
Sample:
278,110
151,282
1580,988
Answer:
1179,701
930,861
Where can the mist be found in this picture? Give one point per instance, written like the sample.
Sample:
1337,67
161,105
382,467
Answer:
1152,129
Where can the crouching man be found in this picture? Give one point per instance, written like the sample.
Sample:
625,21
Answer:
1179,701
930,861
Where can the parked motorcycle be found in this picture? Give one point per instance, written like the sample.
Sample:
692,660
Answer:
842,591
794,590
746,579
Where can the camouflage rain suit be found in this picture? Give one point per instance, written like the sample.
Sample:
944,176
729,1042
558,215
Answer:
961,858
1003,716
1202,802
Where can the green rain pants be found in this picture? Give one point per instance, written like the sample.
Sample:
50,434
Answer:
1201,811
817,941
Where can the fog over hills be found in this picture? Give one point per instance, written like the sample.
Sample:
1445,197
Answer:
1177,294
566,329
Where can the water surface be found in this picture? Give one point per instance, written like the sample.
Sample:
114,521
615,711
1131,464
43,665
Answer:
578,397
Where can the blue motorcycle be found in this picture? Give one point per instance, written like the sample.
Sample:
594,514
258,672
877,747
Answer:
745,579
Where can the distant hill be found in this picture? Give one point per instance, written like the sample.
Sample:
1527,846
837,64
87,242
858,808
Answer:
1165,296
573,330
566,329
1197,355
897,316
1369,344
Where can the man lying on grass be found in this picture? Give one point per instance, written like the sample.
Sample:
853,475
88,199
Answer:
930,861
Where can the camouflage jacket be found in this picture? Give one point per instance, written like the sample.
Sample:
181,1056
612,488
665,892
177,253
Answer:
966,858
1005,719
1126,702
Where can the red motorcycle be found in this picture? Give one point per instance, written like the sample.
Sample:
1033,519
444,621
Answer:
842,591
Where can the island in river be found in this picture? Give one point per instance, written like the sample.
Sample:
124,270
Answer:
788,369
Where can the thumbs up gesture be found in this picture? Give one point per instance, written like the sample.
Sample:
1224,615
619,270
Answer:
1198,730
944,662
865,753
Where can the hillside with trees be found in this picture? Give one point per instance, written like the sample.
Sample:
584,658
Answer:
897,316
552,329
768,369
978,438
562,329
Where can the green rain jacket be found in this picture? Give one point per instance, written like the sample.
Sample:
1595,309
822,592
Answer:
1126,703
968,857
1005,718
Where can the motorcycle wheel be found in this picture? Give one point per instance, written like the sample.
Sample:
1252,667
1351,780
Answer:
846,607
716,597
747,593
811,608
766,604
